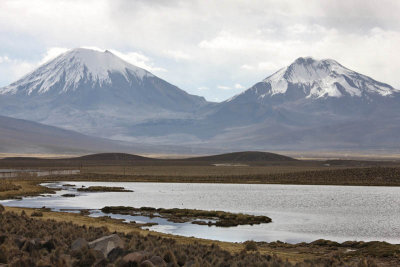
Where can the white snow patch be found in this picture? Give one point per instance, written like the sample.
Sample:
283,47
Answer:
320,78
71,67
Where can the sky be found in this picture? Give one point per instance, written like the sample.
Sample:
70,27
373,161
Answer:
215,49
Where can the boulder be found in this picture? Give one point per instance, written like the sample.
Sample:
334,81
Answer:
134,257
2,239
115,254
31,245
48,244
101,263
98,255
147,263
158,261
107,243
19,241
79,244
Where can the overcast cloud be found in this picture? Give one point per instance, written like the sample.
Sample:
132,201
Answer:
210,48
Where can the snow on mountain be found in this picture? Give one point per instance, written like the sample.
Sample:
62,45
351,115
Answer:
310,104
96,93
72,67
319,79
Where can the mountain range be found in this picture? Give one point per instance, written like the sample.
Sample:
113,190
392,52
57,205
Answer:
310,104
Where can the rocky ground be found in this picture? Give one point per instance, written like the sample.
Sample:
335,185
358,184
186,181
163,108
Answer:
26,240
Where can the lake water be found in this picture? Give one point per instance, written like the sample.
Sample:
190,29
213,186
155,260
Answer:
299,212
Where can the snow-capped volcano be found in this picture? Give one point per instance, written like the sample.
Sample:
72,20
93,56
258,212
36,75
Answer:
95,93
70,69
310,78
311,104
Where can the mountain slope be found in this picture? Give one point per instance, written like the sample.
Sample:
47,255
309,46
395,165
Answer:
318,79
311,104
21,136
307,88
95,93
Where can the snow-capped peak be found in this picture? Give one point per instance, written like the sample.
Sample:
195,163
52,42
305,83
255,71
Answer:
71,68
323,78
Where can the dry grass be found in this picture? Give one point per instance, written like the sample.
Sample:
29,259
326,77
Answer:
318,254
198,171
24,187
8,186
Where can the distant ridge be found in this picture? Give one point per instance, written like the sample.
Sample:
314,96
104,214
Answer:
245,156
111,157
22,136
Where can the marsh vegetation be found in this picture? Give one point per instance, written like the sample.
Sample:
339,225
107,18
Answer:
203,217
103,189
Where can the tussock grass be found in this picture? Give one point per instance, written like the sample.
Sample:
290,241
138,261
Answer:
31,241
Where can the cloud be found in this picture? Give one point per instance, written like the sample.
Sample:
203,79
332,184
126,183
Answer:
238,86
247,67
206,42
52,53
222,87
203,88
4,59
178,55
12,69
139,60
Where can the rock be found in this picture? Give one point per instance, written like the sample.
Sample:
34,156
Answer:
158,261
2,239
134,257
115,254
2,209
107,243
45,262
87,258
19,241
31,245
101,263
98,255
147,263
79,244
48,244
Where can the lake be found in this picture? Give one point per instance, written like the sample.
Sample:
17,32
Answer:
299,212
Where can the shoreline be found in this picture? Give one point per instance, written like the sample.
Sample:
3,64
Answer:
293,253
382,253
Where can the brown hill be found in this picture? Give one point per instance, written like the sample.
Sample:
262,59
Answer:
111,157
245,156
